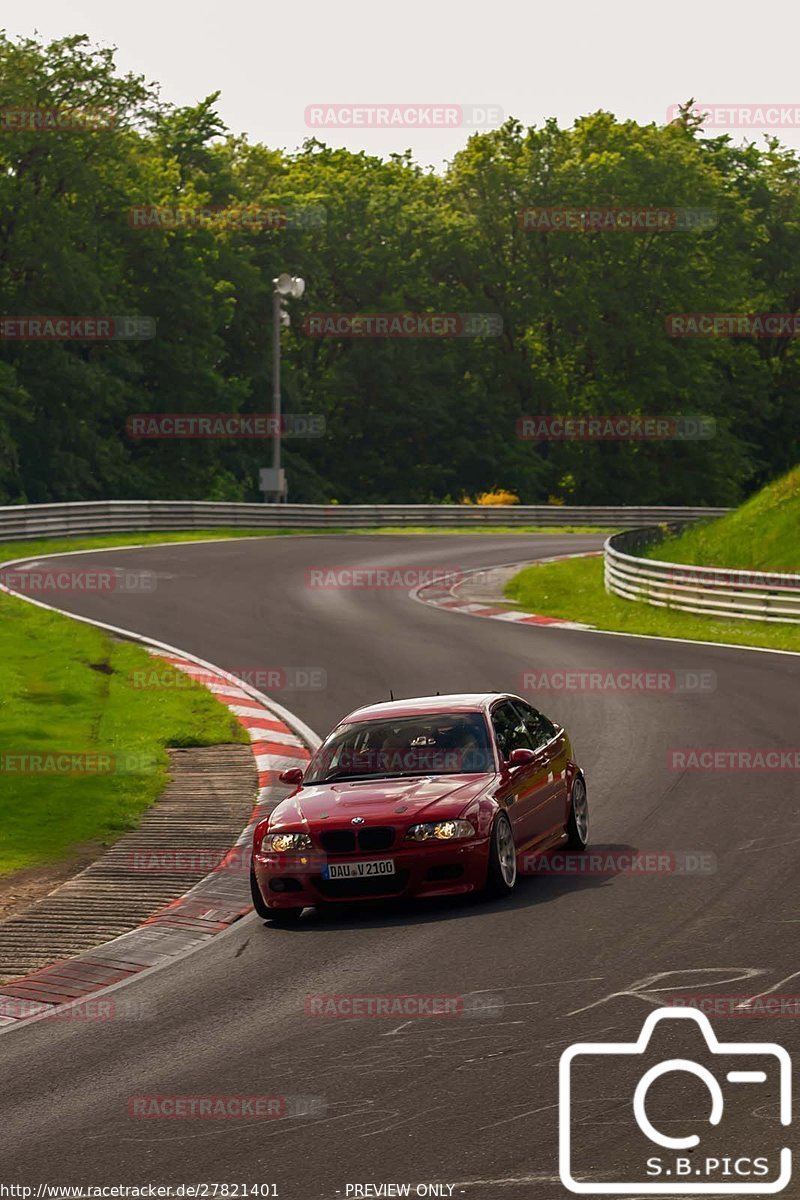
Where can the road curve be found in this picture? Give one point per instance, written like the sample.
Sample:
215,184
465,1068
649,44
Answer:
470,1102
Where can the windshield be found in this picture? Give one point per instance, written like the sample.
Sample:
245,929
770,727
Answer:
434,744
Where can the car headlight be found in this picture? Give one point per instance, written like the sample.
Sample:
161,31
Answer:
281,842
441,831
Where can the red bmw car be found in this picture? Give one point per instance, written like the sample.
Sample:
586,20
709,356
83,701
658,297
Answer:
425,797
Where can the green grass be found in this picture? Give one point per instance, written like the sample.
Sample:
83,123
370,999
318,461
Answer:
762,535
66,686
574,589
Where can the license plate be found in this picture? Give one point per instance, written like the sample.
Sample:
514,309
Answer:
359,870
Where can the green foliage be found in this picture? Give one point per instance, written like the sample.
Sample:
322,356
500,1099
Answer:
408,419
762,535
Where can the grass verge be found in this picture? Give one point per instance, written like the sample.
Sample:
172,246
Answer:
574,589
759,536
66,687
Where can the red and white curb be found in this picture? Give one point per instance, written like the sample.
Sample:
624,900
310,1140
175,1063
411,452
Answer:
273,743
278,740
443,594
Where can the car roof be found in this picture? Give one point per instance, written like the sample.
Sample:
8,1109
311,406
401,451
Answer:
419,705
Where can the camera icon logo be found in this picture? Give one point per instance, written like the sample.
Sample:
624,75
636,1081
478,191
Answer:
694,1163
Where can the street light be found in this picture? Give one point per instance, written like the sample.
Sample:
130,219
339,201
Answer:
285,287
290,285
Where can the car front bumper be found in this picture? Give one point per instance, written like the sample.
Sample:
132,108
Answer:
421,869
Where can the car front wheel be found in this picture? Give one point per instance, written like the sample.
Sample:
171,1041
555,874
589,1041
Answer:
578,820
257,898
284,918
278,916
502,858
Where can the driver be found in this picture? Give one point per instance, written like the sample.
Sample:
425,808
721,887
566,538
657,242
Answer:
393,752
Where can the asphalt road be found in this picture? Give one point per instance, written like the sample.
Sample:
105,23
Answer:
470,1102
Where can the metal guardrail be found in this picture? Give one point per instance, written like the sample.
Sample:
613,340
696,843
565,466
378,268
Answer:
24,521
711,591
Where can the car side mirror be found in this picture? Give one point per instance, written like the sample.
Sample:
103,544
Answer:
293,775
520,757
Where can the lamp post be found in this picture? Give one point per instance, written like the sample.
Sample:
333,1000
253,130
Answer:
285,287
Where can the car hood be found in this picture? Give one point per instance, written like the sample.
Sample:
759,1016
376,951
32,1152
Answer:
432,798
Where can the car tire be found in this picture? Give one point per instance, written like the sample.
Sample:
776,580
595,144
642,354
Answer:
258,900
502,875
578,819
278,916
284,918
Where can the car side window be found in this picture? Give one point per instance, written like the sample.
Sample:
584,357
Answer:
509,729
541,730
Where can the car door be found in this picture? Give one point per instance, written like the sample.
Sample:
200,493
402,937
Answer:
524,789
550,743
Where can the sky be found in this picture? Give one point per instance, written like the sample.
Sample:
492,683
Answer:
446,60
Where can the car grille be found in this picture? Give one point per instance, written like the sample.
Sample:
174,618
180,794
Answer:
378,838
338,841
366,841
346,889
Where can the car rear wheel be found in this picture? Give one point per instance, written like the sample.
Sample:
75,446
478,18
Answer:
502,858
578,820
